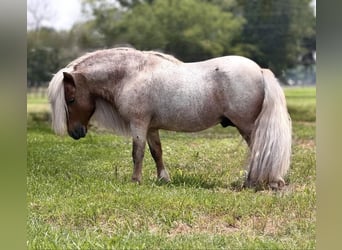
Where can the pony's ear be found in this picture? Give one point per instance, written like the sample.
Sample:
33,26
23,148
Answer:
68,78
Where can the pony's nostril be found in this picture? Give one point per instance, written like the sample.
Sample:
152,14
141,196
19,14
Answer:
82,131
79,132
74,134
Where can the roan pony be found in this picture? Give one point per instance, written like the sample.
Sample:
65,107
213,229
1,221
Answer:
136,93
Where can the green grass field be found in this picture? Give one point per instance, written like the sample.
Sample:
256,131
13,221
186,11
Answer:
80,195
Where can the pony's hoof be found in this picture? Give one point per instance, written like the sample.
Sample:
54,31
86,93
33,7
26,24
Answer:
277,185
136,180
164,176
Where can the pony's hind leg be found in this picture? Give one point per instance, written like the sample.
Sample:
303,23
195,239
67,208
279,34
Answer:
156,152
246,135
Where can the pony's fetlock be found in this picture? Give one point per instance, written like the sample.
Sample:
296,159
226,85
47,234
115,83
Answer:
164,176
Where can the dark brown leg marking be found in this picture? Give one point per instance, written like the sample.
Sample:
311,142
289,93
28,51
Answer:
156,152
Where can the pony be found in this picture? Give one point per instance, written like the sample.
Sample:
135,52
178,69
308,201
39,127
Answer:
136,93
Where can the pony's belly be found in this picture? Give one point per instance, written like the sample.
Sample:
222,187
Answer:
187,128
184,124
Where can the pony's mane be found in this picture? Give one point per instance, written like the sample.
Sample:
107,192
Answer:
150,52
123,50
107,117
164,56
57,100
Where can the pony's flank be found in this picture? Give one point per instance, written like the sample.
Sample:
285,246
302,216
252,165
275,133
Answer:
57,100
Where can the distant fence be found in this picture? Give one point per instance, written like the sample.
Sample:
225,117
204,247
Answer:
37,92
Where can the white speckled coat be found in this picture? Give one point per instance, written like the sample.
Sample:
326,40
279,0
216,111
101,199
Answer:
137,93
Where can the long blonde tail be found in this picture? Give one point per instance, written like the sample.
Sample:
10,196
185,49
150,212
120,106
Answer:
271,138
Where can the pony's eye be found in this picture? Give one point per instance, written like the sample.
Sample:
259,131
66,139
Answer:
71,101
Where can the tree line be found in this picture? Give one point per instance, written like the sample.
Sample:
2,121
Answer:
277,34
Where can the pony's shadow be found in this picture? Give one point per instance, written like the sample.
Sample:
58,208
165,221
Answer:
201,181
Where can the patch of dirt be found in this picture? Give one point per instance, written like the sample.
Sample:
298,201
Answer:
306,143
267,225
205,224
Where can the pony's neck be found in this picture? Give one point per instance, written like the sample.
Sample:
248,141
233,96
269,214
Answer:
104,91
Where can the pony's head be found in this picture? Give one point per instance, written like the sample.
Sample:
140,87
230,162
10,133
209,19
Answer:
72,104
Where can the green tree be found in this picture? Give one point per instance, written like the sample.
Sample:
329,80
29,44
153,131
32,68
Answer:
189,29
47,51
276,31
85,36
41,64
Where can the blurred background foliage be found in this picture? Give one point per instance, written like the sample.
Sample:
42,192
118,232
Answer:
277,34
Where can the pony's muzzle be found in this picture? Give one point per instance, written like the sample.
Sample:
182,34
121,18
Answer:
78,132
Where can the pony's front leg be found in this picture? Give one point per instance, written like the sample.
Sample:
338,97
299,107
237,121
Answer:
139,142
156,152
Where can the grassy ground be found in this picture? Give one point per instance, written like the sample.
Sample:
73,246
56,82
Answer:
80,194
